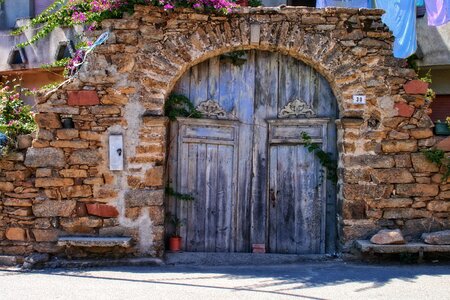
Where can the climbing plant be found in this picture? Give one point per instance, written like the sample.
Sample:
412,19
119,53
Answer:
324,157
438,157
89,13
180,106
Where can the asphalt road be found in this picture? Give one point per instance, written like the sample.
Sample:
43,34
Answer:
325,280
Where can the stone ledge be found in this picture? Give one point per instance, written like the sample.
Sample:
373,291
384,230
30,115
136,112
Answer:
78,241
366,246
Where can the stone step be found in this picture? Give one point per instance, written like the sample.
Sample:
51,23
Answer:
10,260
90,241
366,246
235,258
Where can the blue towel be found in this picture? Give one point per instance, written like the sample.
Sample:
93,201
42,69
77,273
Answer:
400,17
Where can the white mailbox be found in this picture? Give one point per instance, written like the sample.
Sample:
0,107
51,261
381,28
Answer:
116,152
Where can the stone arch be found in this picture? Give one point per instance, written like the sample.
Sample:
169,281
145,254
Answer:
148,52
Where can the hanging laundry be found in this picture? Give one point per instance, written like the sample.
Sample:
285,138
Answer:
400,17
420,3
438,12
344,3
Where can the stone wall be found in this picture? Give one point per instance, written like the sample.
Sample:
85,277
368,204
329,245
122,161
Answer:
384,179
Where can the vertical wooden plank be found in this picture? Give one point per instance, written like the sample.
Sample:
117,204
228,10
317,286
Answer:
289,80
199,83
182,181
266,98
273,180
225,198
214,79
242,93
183,85
198,232
284,200
171,202
189,207
210,199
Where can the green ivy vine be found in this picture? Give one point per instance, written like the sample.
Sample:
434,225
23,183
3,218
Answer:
180,106
438,157
324,157
179,196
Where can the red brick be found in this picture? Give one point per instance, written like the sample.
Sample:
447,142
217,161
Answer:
83,98
102,210
404,110
444,144
416,87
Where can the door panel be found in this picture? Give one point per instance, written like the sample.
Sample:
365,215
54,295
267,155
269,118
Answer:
296,188
207,171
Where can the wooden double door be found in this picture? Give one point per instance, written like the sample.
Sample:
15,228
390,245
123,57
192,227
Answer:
245,162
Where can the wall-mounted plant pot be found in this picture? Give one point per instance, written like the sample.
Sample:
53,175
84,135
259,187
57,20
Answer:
441,129
67,123
175,243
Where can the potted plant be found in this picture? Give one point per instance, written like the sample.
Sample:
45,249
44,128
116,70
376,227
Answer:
175,239
442,128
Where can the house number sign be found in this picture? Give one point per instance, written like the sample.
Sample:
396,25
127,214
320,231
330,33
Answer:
359,99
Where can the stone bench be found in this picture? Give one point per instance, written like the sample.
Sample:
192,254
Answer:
80,241
365,246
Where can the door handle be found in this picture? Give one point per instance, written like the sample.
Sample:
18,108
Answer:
272,197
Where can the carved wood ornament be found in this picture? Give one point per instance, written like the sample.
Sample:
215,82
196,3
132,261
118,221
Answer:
296,108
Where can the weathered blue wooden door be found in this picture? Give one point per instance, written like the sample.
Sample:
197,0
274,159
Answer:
234,166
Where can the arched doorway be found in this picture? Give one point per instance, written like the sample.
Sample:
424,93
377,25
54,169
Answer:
244,161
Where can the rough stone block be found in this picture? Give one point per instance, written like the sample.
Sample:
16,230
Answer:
154,177
373,161
439,206
48,120
141,198
84,157
76,191
417,189
392,176
73,173
44,157
421,133
422,164
53,182
6,187
405,213
79,98
366,191
399,146
53,208
16,234
81,225
42,235
392,203
67,134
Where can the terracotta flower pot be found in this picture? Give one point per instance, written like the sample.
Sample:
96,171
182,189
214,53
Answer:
416,87
175,243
